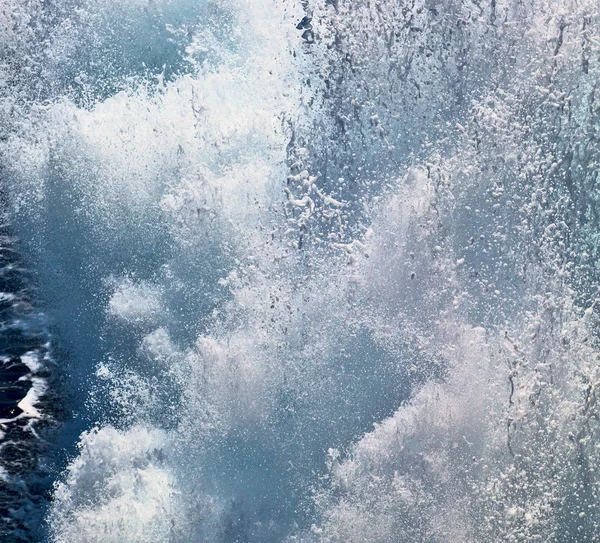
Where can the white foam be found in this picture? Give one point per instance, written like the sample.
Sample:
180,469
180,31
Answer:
118,489
7,297
28,403
158,345
32,360
135,303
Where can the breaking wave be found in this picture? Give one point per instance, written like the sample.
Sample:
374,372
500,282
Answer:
317,270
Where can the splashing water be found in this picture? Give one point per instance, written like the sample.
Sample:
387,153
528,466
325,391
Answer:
318,271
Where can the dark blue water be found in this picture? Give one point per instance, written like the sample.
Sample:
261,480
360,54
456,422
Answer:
28,410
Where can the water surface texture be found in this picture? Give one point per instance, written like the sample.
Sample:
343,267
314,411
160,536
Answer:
313,271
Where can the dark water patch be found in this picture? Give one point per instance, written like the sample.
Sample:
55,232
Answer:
28,413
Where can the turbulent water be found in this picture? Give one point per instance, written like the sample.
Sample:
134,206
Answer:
309,271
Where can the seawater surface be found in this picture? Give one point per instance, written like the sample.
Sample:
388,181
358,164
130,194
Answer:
300,271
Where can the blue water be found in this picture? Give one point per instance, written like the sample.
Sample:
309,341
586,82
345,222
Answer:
303,270
28,398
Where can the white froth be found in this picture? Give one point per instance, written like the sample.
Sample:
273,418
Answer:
117,490
28,403
136,303
32,361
